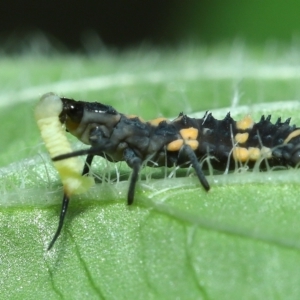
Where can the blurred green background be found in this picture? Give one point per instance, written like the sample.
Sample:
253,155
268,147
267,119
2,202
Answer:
255,21
95,25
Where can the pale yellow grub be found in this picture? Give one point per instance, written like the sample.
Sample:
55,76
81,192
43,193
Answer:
192,143
156,122
241,137
266,152
47,116
240,154
292,135
175,145
254,153
189,133
245,123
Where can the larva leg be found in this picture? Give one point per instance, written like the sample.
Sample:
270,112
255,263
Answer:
65,202
135,163
63,212
186,149
89,151
87,165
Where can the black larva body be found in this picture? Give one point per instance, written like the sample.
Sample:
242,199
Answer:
183,141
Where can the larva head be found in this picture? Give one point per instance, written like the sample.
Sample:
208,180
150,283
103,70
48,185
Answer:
80,118
71,114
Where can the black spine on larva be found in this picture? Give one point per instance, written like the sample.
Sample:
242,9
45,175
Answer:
266,134
215,136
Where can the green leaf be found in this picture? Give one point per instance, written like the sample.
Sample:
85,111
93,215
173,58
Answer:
241,240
